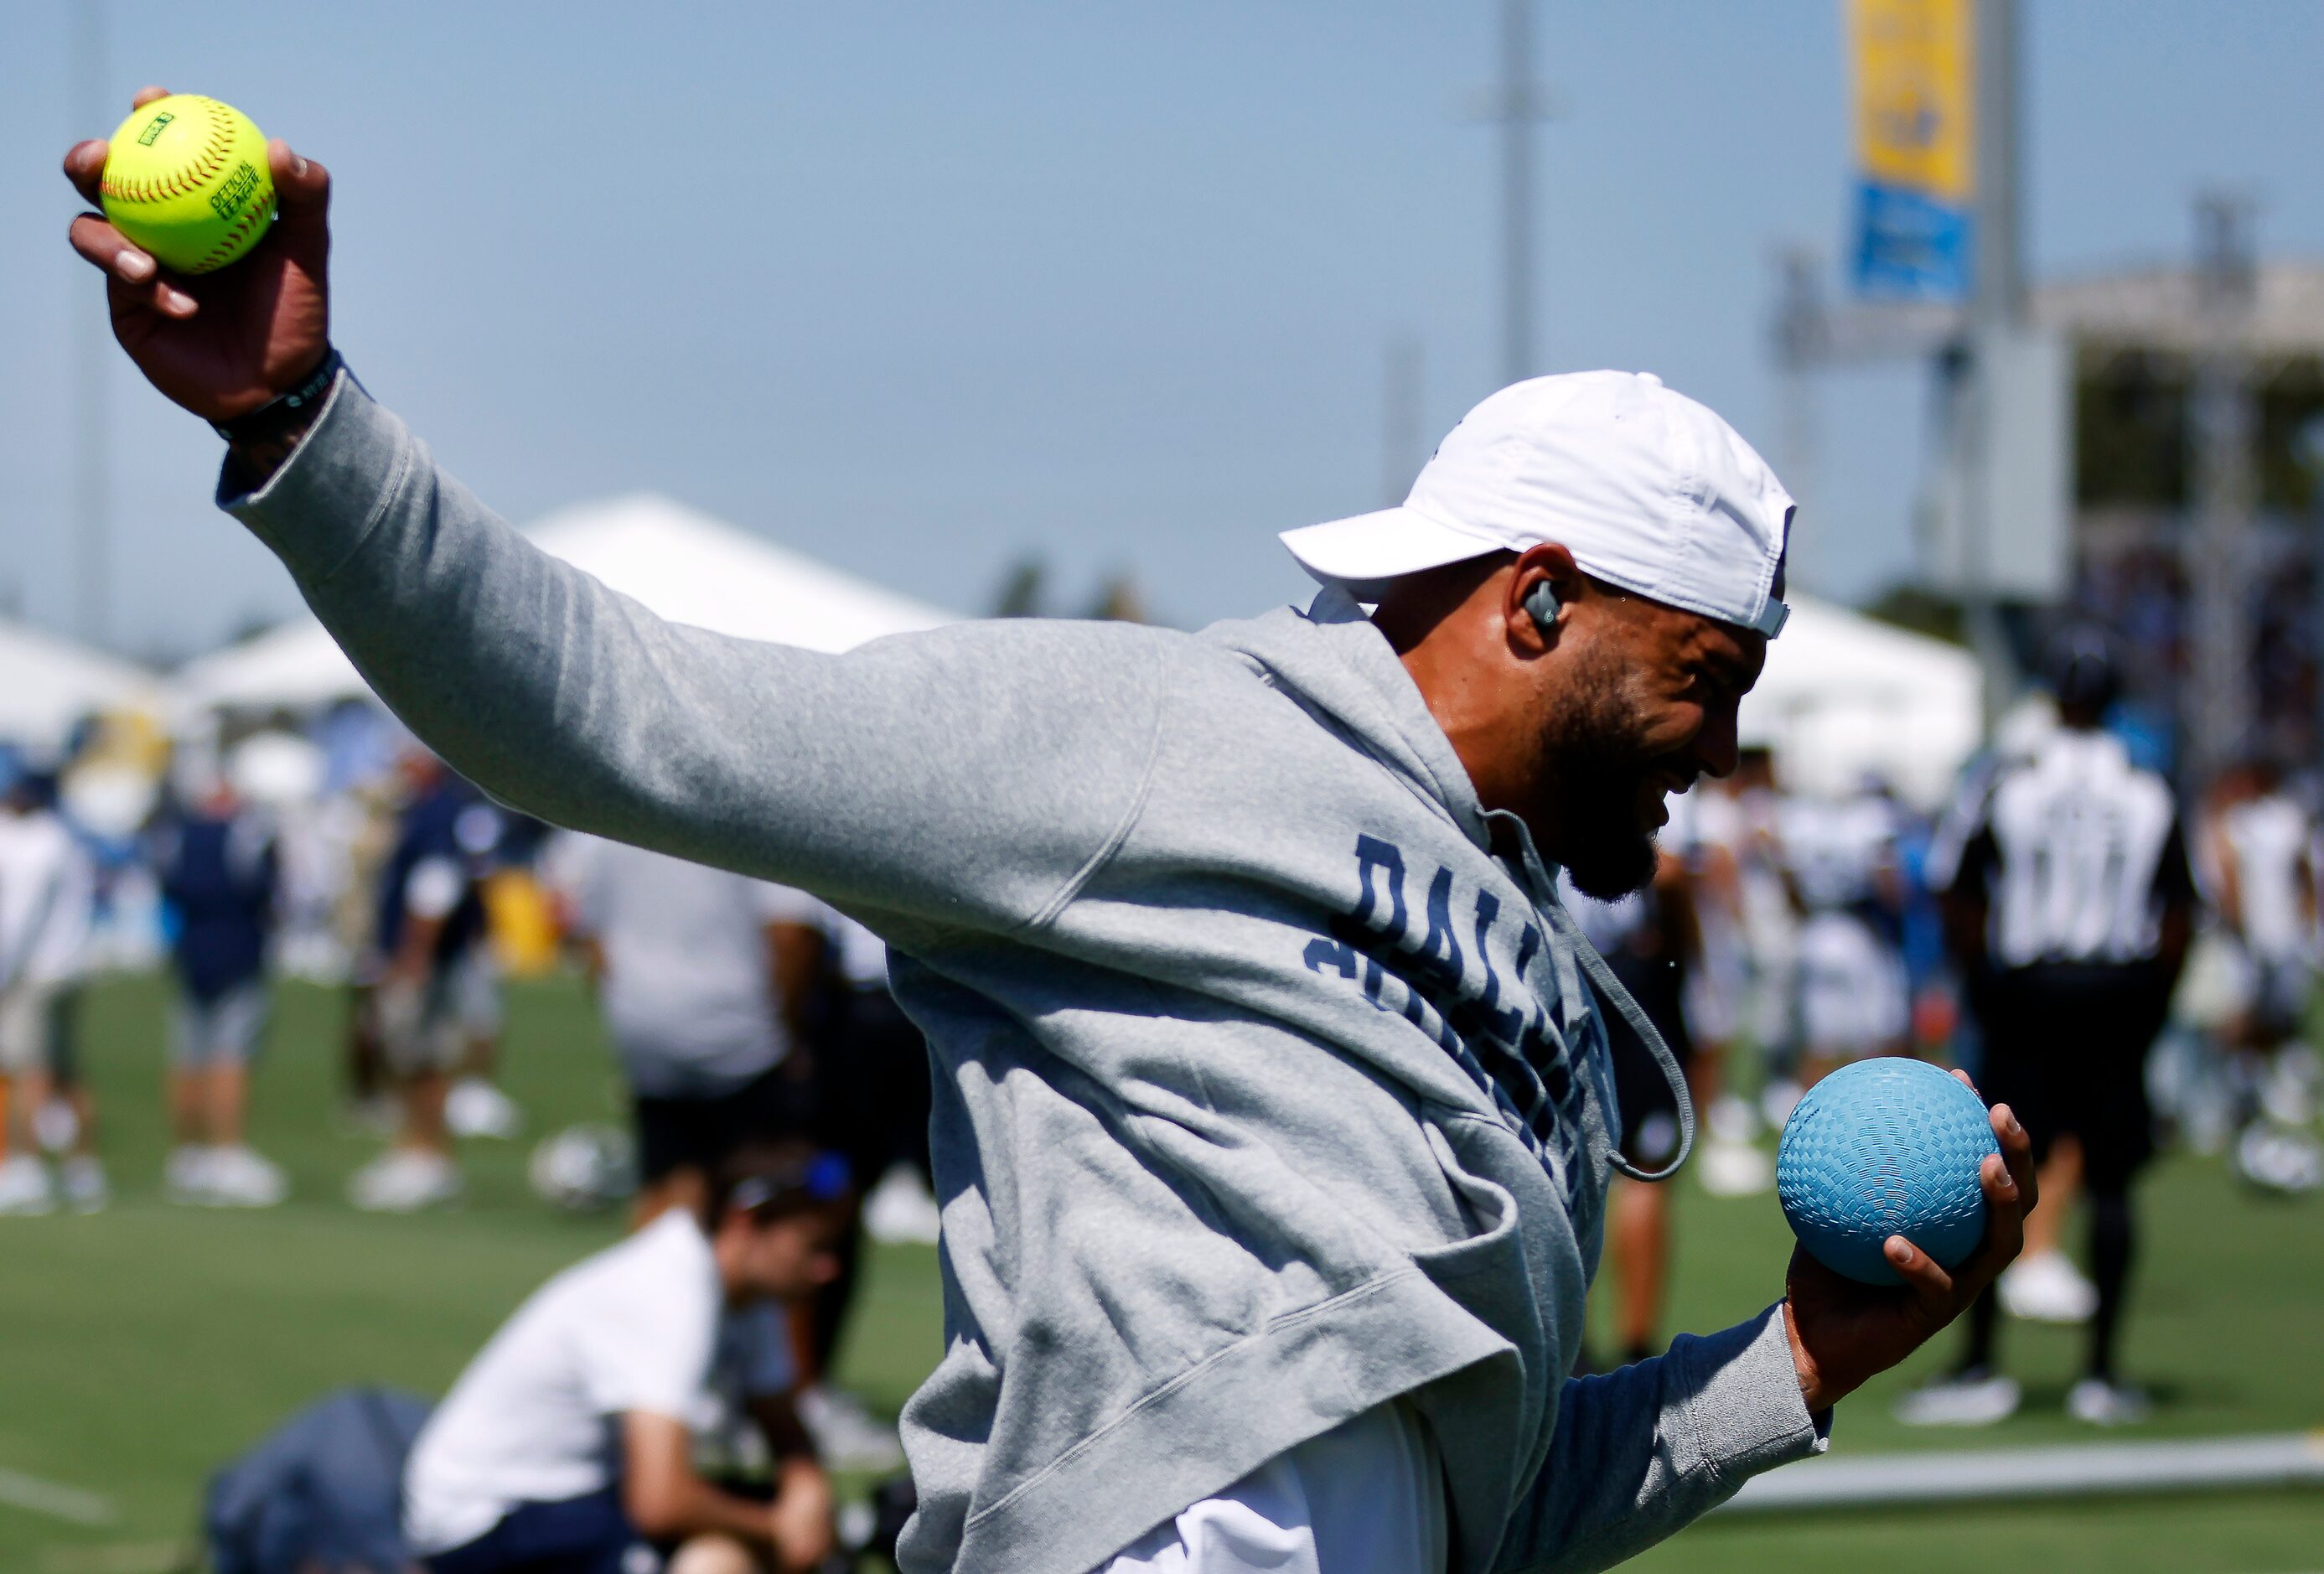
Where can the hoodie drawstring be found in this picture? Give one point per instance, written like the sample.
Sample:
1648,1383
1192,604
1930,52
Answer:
1609,989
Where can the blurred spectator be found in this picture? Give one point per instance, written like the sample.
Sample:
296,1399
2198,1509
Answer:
45,910
45,898
2255,859
2070,911
873,1094
217,866
436,1001
1650,940
1847,876
570,1442
883,1054
1709,831
704,980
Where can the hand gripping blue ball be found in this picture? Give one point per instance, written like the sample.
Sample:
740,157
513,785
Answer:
1886,1146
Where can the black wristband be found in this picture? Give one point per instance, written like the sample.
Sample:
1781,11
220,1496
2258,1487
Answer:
271,417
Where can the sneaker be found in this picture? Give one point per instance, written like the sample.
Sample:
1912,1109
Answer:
81,1179
900,1210
404,1180
24,1186
186,1176
1964,1399
2097,1401
847,1435
475,1107
1734,1169
239,1178
2277,1161
2046,1287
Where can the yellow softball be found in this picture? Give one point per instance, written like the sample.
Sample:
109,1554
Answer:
186,178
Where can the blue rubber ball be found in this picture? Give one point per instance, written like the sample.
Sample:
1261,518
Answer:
1886,1146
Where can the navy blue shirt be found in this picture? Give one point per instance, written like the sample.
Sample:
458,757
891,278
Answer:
453,823
218,874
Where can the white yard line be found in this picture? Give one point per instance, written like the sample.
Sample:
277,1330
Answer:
18,1490
2086,1470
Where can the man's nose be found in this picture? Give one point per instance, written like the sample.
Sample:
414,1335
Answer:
1718,748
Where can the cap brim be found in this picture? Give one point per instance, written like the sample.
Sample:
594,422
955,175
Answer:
1365,553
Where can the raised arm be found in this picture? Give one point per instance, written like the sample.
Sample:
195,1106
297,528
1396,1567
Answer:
966,775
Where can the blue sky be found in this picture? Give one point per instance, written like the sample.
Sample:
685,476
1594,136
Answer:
920,289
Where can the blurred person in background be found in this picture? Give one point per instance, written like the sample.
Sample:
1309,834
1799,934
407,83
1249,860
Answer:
2044,1284
2255,853
1846,878
1651,941
216,861
1718,994
437,992
1750,826
887,1057
569,1443
47,889
2069,913
704,979
873,1095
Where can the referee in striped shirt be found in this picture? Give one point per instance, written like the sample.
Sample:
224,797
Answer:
2069,913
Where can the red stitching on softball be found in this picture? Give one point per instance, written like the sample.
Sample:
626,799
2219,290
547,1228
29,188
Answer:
205,162
231,246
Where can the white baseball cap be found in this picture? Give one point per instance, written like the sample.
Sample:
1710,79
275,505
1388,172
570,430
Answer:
1647,488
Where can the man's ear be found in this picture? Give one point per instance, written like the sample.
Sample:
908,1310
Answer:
1545,584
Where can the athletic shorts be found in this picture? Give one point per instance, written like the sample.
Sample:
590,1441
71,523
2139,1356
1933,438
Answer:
225,1031
703,1133
2065,1048
27,1026
1853,999
431,1030
578,1535
1649,1105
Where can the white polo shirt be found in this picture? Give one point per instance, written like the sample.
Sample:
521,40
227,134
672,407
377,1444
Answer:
45,899
535,1417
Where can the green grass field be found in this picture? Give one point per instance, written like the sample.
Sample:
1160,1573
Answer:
141,1347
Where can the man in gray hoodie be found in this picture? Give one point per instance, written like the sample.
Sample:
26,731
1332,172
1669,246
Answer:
1273,1114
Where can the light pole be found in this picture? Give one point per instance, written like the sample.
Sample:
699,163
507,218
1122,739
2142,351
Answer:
1519,105
92,355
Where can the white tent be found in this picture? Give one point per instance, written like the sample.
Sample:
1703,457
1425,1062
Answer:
47,684
1844,694
680,563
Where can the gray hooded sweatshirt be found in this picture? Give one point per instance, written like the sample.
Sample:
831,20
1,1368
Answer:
1269,1082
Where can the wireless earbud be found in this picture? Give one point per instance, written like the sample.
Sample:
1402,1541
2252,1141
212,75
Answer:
1541,604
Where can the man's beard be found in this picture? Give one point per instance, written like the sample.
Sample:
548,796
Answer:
1593,771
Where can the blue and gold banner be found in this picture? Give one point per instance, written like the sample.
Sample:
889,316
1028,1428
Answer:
1915,154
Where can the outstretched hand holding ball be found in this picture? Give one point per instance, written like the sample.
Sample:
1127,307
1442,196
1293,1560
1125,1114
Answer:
1908,1196
225,313
1886,1146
